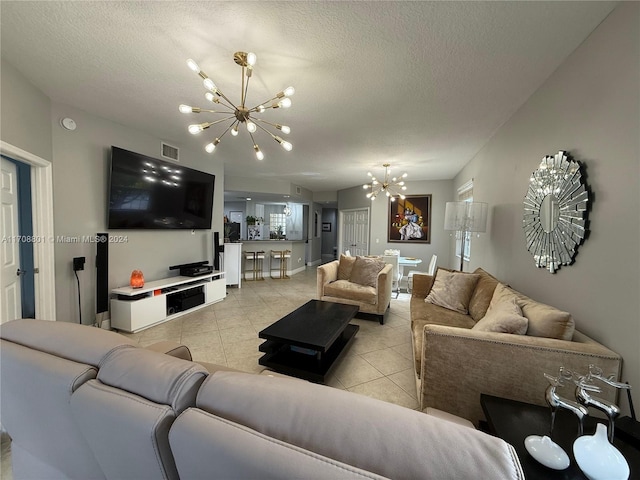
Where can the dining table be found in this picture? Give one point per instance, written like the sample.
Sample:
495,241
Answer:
407,262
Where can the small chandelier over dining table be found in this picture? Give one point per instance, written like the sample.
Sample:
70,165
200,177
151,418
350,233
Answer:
388,185
239,114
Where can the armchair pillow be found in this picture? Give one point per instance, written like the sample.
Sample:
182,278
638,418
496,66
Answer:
365,271
453,290
345,267
503,315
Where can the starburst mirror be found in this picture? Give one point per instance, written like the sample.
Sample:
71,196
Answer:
555,211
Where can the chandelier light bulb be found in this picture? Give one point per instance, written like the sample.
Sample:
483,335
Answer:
366,187
261,108
251,58
185,108
195,129
251,127
287,146
369,195
234,130
284,103
209,96
259,154
193,66
210,147
209,85
289,91
283,129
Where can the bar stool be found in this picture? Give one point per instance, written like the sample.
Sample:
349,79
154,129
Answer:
256,260
281,255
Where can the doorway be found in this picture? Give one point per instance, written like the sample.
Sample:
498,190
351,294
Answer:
41,211
18,288
354,228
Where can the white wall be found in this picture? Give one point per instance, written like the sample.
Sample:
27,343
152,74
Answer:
25,114
590,107
80,178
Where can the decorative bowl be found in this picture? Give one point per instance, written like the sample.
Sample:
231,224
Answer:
598,459
547,452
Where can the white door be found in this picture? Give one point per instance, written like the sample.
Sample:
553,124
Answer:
10,300
355,231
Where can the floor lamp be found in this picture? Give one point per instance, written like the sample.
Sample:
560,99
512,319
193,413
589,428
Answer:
465,217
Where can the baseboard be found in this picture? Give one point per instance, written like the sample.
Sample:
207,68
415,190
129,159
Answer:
315,263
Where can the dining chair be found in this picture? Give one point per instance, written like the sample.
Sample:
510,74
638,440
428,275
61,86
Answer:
395,275
430,271
432,265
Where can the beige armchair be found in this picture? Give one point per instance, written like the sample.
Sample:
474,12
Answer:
373,300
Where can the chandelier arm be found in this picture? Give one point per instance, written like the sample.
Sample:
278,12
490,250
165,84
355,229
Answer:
263,104
246,87
224,133
214,111
261,127
264,121
231,104
221,120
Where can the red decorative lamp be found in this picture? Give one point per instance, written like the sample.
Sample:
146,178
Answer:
137,279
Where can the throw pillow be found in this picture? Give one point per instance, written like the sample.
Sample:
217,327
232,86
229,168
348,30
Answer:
453,290
345,267
543,320
503,315
365,271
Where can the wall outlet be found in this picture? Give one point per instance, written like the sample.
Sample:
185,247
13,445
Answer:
299,260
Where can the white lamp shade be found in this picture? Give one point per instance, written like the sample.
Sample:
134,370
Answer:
466,216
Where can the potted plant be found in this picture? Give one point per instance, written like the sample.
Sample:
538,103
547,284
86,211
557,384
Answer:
227,232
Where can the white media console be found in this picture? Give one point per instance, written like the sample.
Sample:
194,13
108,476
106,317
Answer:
134,309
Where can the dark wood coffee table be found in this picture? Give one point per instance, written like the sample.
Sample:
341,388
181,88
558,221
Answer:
514,421
307,342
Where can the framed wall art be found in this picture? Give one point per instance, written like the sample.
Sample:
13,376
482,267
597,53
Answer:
410,219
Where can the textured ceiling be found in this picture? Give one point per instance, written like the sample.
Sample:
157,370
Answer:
422,85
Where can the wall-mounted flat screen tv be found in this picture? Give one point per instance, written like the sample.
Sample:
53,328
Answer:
146,193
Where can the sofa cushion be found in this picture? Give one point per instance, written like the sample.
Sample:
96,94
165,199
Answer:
423,313
365,271
367,433
453,290
345,267
543,320
351,291
503,315
482,295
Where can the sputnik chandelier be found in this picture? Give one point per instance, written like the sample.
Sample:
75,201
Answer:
240,113
388,185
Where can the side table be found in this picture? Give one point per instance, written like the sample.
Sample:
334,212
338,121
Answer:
514,421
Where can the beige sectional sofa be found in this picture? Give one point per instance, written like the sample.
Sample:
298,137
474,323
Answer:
343,281
81,402
455,362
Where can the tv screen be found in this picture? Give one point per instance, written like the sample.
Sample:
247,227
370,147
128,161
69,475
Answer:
146,193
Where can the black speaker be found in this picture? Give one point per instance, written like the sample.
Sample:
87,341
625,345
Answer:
216,250
102,272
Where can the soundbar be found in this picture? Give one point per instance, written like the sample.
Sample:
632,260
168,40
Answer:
193,269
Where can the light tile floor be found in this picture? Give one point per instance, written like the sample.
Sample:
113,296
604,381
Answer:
376,364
